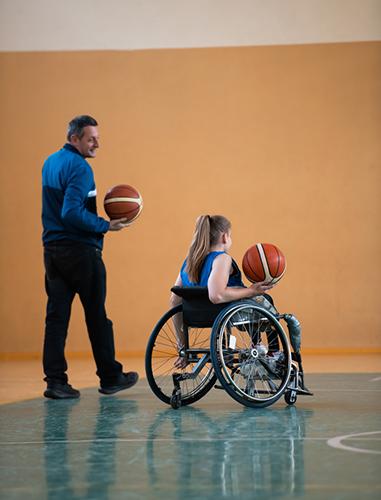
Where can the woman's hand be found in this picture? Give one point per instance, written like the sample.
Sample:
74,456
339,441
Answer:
260,288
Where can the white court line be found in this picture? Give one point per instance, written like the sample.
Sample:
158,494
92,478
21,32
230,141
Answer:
140,440
173,440
375,379
345,390
336,442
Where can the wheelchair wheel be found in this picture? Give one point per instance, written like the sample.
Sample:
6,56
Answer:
162,352
251,354
290,397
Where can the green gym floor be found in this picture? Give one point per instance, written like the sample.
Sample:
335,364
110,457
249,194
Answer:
131,445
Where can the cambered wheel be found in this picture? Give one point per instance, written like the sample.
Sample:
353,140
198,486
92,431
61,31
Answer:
251,354
162,352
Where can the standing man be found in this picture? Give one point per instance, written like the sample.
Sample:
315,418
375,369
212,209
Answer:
73,240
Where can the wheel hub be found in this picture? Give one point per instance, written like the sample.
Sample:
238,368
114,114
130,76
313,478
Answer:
254,353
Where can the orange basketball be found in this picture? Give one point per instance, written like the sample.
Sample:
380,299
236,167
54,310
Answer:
264,262
123,201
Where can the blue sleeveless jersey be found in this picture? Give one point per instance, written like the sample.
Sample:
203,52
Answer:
235,279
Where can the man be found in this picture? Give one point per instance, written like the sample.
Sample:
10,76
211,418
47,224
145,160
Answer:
73,240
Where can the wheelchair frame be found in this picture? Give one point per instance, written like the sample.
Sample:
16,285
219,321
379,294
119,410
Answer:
240,344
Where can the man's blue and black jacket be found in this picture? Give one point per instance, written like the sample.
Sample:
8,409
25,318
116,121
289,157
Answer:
69,210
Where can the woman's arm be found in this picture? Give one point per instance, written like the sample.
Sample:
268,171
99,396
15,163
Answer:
175,300
217,284
177,319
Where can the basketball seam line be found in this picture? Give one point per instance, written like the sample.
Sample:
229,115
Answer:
123,199
264,262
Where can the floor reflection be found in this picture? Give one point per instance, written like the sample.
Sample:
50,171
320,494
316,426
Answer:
57,468
130,446
114,448
73,472
258,451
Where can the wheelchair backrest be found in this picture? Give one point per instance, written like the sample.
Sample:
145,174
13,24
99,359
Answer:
198,311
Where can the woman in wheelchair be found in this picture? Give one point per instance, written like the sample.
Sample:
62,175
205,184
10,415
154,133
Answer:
208,264
218,329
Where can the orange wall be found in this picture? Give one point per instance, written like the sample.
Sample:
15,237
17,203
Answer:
284,140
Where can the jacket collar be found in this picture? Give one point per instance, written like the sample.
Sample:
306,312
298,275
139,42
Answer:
71,148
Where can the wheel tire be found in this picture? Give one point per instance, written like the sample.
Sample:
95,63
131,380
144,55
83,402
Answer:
161,383
290,397
233,379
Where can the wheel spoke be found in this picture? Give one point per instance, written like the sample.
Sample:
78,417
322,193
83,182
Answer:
162,352
257,375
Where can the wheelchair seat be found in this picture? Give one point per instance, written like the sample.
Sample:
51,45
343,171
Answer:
198,310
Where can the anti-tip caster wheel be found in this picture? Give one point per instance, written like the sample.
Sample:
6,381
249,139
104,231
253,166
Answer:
175,401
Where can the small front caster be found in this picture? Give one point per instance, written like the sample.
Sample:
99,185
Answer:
290,397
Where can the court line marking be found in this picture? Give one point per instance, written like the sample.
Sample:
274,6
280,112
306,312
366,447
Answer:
377,379
345,390
336,442
170,440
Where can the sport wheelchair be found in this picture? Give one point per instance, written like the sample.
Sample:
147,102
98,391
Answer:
240,344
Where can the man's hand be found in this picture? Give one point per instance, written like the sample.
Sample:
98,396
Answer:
118,224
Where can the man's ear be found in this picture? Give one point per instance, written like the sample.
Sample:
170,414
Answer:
224,237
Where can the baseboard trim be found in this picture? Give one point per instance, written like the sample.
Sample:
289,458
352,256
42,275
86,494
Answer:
336,351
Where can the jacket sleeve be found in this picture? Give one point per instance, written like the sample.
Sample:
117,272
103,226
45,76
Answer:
80,182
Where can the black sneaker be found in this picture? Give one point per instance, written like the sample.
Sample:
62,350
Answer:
126,381
61,391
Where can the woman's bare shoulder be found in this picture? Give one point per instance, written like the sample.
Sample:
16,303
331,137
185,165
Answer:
223,258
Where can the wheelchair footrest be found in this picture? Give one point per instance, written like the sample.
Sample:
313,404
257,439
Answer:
303,391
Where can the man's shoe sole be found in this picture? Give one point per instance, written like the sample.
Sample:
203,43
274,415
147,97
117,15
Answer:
55,394
116,388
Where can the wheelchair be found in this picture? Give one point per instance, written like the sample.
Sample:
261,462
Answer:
239,346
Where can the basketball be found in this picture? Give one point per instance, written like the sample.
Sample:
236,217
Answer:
264,262
123,202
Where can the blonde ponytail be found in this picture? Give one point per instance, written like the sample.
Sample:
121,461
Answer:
207,231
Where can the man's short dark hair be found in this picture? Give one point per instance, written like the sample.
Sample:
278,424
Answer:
77,125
